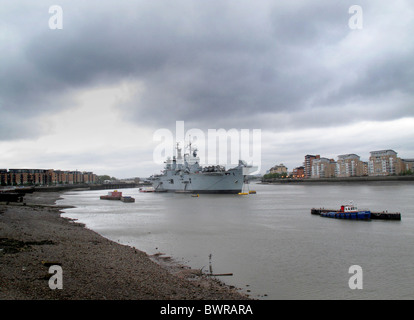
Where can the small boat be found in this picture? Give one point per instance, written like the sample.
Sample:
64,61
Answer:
147,189
127,199
243,193
114,195
348,211
195,195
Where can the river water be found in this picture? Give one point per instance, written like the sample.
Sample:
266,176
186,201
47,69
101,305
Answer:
270,242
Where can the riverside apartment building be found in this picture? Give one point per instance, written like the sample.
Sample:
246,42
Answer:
386,162
16,177
350,165
380,163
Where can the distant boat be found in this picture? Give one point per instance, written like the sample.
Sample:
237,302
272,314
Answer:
127,199
348,211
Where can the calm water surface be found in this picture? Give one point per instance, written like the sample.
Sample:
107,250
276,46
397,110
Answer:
270,242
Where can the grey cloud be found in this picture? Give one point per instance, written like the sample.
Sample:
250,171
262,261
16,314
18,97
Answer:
217,63
310,23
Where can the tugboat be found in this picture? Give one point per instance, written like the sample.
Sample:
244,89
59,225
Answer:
348,211
114,195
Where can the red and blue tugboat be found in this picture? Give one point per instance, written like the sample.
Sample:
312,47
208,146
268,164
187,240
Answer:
348,211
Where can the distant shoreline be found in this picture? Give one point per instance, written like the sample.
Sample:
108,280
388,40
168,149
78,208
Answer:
67,187
340,180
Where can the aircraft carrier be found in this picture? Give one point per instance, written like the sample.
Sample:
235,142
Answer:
185,174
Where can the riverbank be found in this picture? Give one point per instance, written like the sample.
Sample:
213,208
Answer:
342,180
34,235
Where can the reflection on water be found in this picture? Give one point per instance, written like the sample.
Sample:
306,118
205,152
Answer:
270,242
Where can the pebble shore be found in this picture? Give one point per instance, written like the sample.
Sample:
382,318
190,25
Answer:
34,236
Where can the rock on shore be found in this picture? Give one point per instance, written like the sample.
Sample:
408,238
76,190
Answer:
34,236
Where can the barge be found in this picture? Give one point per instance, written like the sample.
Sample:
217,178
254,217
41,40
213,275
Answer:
127,199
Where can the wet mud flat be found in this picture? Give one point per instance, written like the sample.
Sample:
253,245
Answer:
33,237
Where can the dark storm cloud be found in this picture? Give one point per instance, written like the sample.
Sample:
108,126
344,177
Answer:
237,77
211,64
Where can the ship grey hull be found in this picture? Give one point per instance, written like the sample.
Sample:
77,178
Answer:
234,191
229,182
216,191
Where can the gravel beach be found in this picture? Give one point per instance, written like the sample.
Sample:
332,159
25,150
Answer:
34,236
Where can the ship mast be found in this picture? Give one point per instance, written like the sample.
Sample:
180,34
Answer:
189,143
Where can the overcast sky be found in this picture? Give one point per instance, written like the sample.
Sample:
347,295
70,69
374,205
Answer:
91,95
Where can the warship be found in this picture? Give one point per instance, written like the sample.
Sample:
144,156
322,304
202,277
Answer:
186,175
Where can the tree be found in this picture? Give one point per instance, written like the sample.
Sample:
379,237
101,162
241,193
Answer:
408,172
101,179
275,175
